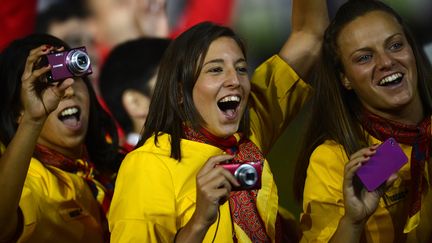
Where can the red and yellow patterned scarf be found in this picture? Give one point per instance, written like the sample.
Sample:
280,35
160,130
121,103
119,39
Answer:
419,137
81,167
243,207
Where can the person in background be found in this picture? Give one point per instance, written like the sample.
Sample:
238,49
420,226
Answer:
374,83
57,147
127,81
205,112
70,22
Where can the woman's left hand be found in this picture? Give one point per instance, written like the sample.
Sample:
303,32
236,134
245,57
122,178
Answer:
361,204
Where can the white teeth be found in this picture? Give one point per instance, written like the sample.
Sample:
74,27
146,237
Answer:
230,98
69,111
390,78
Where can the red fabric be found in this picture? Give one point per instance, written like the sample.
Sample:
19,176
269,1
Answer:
418,136
197,11
242,203
17,20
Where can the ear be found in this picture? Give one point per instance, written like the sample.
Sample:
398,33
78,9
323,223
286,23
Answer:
19,118
345,81
135,103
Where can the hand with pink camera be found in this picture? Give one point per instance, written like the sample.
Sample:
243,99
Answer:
39,98
213,184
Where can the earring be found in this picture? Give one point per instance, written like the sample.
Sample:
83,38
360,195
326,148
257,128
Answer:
346,83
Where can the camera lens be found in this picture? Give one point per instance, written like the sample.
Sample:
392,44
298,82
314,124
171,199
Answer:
78,62
247,175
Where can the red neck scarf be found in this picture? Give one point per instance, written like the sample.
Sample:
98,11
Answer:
242,203
81,167
418,136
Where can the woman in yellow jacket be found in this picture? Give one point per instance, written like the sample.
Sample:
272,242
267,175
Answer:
374,84
53,143
174,186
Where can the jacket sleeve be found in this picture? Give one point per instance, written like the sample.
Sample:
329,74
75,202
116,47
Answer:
323,198
143,206
277,95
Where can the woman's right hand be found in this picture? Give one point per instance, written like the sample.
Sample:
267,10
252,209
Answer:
213,184
38,103
360,205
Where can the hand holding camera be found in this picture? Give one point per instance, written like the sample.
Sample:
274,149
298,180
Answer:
39,99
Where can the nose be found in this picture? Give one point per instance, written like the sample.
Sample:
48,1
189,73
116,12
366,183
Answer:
69,92
385,60
232,79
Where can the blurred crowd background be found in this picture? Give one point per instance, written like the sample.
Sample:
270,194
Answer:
100,25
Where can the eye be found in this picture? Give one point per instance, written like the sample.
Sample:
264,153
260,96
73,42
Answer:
242,70
396,46
215,70
363,58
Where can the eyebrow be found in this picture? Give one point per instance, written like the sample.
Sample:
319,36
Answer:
219,60
387,40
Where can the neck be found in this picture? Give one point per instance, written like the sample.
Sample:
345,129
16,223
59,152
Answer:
138,125
411,114
73,153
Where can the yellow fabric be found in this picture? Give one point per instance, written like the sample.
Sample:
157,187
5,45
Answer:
323,201
155,195
58,207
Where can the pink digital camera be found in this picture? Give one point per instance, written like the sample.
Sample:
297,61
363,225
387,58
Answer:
247,174
66,64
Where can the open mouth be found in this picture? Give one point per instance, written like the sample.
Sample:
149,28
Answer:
393,79
229,104
70,116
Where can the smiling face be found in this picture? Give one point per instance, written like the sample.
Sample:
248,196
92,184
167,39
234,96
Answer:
379,65
66,127
221,91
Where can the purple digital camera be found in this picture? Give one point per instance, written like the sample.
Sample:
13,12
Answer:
388,159
247,174
66,64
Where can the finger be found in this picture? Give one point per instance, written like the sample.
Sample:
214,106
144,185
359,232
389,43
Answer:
39,72
363,153
352,167
34,56
389,182
356,161
222,182
214,178
212,161
230,177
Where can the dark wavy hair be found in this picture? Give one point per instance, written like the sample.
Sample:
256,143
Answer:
130,65
102,153
338,109
179,70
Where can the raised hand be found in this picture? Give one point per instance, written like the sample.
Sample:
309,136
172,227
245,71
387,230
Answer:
40,98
